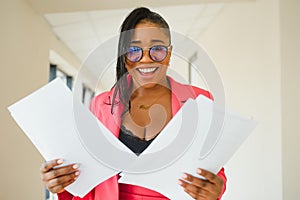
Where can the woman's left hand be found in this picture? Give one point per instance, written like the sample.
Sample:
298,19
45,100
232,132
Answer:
200,189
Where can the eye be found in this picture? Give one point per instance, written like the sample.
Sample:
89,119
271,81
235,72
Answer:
159,48
134,54
158,53
133,50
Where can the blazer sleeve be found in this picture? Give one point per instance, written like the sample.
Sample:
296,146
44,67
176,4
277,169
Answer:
222,175
65,195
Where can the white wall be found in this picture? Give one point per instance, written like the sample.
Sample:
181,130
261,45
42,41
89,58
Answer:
244,41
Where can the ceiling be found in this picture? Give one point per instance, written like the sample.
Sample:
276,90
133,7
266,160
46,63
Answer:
84,24
83,31
58,6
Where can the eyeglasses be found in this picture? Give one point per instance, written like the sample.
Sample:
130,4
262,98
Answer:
156,53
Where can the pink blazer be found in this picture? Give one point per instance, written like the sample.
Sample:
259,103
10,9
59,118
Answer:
101,107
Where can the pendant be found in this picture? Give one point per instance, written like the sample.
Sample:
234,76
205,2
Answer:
144,107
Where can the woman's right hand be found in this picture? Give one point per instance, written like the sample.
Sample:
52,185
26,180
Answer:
57,178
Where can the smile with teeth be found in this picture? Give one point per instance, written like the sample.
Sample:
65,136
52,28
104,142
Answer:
147,70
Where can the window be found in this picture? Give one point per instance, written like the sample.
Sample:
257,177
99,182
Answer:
55,72
87,95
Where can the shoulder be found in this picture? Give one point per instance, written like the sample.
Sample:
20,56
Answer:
100,101
102,98
200,91
188,91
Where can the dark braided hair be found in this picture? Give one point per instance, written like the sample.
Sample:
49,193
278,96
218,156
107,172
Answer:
142,14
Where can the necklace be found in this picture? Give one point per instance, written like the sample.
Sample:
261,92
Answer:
143,106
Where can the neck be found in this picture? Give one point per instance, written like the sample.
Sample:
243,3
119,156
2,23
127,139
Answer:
151,88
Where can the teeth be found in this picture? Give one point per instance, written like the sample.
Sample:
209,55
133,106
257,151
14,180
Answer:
147,70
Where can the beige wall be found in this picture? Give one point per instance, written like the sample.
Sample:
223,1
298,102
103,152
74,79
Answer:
290,61
25,43
244,41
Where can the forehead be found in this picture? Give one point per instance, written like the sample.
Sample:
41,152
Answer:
146,32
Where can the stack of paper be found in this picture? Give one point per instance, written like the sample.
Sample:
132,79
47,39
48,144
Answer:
201,135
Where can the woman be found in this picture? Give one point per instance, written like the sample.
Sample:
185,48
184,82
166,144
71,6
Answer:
136,109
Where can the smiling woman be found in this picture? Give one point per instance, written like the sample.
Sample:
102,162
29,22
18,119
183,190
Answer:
144,99
150,67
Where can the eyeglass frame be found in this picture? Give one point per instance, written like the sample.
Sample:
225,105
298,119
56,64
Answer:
149,50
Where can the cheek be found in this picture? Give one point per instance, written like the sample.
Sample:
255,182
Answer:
130,65
166,61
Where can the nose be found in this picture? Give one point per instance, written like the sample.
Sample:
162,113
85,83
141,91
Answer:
146,57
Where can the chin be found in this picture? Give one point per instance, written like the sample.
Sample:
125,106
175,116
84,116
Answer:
145,83
148,85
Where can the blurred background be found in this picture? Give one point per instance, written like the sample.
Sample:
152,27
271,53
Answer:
254,44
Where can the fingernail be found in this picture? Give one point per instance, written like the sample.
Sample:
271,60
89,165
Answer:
184,176
76,166
77,173
59,161
199,171
179,182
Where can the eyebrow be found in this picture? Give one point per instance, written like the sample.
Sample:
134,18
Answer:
152,41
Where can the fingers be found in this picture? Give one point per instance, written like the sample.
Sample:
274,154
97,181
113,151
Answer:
46,166
193,190
193,183
213,178
199,195
61,171
58,184
208,188
57,178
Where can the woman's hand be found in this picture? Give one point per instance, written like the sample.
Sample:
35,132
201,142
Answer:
57,178
200,189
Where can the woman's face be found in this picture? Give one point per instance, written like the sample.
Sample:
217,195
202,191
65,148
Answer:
147,72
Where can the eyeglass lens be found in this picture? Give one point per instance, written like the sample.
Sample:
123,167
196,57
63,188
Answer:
156,53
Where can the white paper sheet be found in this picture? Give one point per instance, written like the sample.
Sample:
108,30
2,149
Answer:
222,145
47,118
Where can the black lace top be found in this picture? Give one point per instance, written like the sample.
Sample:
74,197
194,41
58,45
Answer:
133,142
